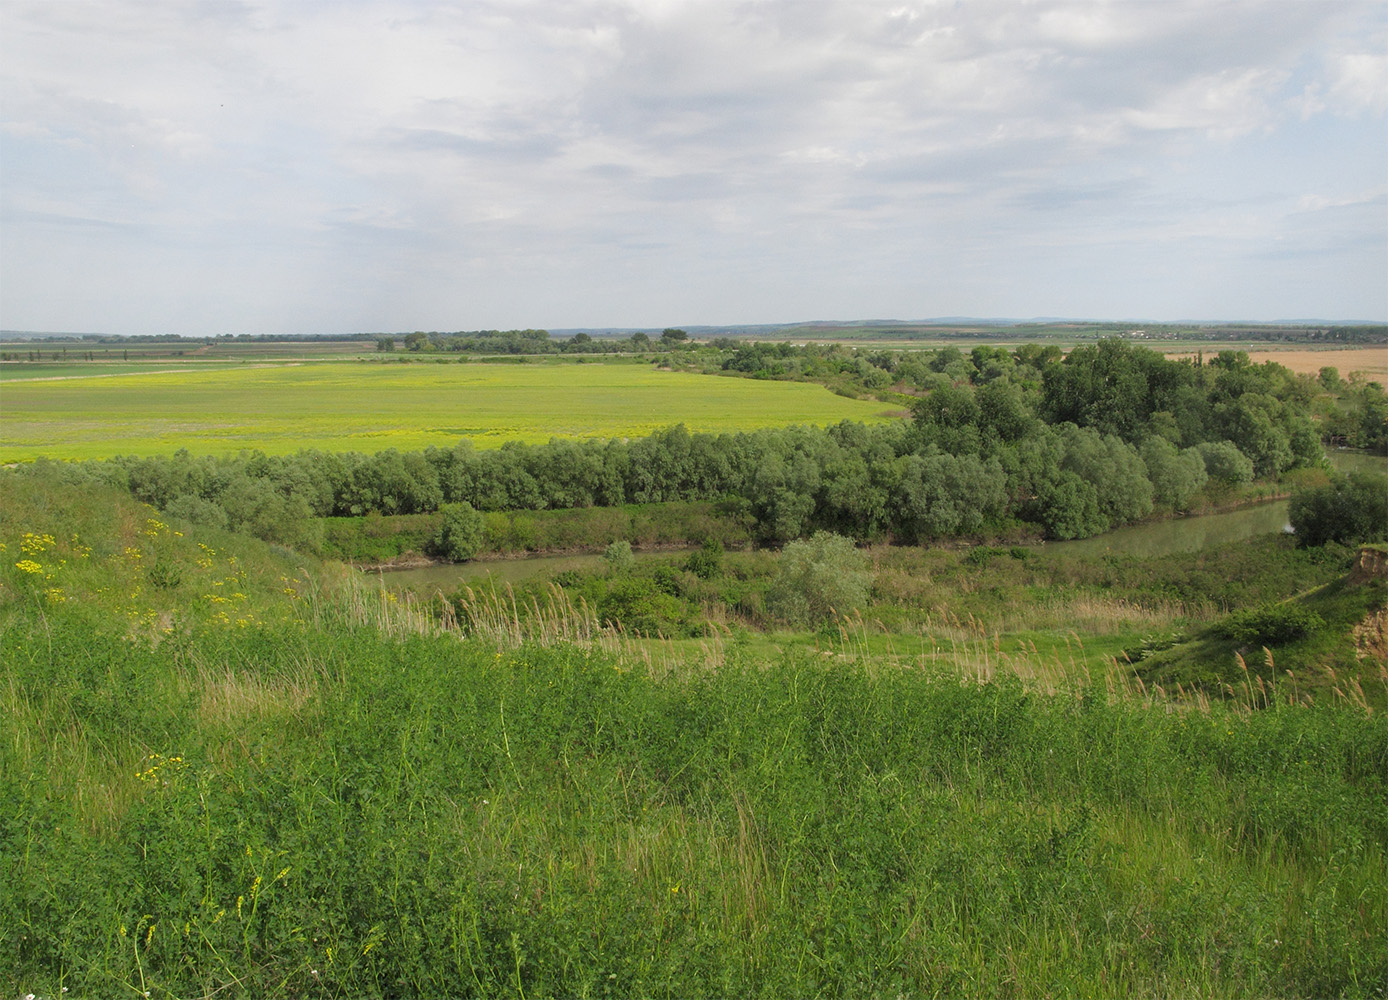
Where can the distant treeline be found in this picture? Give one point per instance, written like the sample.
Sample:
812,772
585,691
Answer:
531,342
1359,333
1073,446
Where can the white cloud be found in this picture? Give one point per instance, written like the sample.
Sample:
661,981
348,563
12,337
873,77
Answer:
1359,82
452,158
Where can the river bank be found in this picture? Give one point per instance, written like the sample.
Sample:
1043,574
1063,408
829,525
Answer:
543,539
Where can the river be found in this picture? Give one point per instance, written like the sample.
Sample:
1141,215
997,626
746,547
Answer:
1183,534
1187,534
449,577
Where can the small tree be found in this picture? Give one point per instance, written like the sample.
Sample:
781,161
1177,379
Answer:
1175,475
1224,461
1351,511
619,557
707,561
818,578
462,531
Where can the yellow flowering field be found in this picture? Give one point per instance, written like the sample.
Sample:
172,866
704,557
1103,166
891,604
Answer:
363,406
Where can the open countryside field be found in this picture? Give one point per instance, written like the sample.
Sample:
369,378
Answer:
370,407
1373,361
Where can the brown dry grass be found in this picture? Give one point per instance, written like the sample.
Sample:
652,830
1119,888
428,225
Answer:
1309,361
229,699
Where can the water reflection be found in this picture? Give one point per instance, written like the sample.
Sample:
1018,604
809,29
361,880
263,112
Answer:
496,572
1358,461
1185,534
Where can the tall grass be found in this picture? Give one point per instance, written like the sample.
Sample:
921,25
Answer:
358,796
372,806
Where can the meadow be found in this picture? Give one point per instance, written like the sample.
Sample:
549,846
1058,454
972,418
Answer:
370,406
229,770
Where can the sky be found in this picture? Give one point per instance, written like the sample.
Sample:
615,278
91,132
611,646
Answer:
316,168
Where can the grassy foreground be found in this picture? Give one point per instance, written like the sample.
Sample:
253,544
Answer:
227,772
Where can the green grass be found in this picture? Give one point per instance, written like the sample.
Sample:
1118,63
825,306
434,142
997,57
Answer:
62,370
369,407
342,798
1323,659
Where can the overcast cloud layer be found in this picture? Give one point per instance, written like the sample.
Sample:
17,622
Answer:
334,167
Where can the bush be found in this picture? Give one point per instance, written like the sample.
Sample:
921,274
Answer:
461,533
1176,475
1351,511
637,605
707,561
818,579
1269,626
619,556
196,510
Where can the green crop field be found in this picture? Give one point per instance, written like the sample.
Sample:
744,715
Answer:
360,406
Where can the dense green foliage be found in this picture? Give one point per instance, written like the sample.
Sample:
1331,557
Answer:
1359,418
516,342
818,579
1350,510
619,557
462,532
1072,446
374,538
1269,626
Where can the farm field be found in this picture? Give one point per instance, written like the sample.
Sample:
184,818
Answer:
53,371
370,407
1373,361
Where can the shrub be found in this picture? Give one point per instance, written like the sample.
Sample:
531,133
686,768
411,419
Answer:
707,561
637,605
165,575
1269,626
1351,511
196,510
819,578
982,555
619,557
1176,475
461,533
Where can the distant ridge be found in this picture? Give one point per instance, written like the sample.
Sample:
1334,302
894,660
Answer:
705,330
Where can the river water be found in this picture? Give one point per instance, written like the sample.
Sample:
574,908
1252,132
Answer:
449,577
1185,534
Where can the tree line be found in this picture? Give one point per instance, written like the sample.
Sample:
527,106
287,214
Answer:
1073,446
531,342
